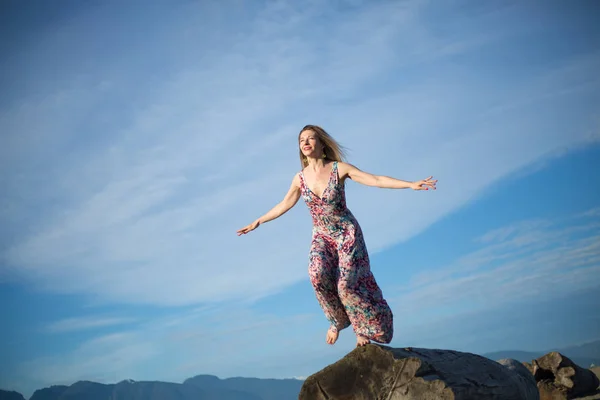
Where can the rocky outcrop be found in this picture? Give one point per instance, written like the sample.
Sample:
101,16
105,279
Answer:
559,378
521,376
376,372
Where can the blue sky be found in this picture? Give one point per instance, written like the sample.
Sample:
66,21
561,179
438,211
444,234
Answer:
136,139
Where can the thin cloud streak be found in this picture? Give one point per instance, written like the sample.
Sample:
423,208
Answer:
85,323
105,359
520,262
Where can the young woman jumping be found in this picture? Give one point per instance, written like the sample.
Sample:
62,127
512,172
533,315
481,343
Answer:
339,267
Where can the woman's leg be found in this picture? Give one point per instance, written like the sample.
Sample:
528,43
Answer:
323,273
371,317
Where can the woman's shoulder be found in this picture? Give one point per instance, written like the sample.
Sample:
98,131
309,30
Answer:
341,165
297,177
344,168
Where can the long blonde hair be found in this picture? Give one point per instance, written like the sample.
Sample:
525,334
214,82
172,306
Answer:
333,150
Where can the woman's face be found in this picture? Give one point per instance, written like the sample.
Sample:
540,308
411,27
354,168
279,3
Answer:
309,143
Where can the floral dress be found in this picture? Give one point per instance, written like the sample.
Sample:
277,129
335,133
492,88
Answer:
339,266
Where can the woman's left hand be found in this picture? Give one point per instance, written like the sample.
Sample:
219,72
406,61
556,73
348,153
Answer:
424,184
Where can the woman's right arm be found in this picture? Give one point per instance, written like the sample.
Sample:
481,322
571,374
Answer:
289,201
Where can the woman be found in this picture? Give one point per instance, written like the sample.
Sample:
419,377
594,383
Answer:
339,266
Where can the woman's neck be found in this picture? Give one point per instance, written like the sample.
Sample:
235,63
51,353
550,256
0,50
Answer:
316,164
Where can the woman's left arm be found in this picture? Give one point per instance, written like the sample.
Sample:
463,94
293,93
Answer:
380,181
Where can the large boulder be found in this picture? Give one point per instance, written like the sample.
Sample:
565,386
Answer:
375,372
522,377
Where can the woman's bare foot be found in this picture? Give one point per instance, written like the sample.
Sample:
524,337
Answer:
361,340
332,335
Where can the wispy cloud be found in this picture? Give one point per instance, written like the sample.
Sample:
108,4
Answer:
519,262
106,359
134,195
84,323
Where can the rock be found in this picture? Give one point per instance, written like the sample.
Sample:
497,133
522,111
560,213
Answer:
522,377
596,394
381,372
549,391
557,374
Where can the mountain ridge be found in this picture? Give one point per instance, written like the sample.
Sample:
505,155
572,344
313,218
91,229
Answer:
199,387
583,355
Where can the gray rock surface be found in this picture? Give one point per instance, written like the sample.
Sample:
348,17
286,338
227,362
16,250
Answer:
376,372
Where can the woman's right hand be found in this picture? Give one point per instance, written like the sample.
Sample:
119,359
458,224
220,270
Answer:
248,228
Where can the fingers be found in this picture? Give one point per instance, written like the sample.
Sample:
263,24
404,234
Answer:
425,184
244,230
428,183
248,228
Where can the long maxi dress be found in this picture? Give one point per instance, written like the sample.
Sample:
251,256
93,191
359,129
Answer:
339,267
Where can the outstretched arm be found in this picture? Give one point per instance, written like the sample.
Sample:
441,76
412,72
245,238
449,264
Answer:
289,201
380,181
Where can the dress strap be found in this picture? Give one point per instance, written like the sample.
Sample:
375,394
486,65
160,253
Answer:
334,171
302,183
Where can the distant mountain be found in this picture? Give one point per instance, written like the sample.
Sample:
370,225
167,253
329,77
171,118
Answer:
264,389
583,355
201,387
587,350
130,390
51,393
10,395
